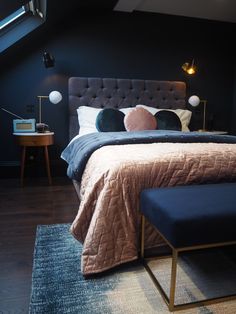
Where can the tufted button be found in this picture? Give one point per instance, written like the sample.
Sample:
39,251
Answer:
163,98
102,106
116,106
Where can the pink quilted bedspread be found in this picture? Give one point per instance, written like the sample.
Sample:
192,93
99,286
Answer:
107,222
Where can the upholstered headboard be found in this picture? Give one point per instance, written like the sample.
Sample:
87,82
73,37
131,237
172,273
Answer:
121,93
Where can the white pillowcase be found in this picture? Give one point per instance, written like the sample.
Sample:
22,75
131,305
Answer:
184,115
87,118
126,110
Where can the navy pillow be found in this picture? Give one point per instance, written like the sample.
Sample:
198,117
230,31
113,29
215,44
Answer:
168,120
110,120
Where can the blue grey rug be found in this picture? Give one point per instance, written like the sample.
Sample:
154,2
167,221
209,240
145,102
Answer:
59,287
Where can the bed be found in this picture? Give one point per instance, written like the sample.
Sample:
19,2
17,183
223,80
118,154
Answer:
109,169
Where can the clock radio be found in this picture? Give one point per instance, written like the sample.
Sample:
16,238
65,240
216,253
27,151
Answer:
24,125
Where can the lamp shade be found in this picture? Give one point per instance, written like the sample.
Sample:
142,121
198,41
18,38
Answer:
55,97
189,68
194,101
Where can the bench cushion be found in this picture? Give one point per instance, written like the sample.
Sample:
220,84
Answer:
192,215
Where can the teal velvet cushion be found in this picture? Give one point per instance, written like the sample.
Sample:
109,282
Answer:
110,120
168,120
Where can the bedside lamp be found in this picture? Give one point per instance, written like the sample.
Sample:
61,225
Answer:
55,97
195,101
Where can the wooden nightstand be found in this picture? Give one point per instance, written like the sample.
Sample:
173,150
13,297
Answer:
35,139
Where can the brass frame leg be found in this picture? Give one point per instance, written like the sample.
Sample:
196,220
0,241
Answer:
170,301
173,279
142,236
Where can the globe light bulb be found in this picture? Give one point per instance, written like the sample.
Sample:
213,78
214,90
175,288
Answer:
55,97
194,101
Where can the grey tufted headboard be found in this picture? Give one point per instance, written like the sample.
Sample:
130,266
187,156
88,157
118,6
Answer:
120,93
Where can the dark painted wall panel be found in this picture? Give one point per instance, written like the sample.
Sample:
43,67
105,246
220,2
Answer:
137,45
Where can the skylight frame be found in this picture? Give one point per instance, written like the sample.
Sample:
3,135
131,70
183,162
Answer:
33,16
13,17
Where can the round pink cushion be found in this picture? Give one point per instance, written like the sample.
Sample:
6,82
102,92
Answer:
139,119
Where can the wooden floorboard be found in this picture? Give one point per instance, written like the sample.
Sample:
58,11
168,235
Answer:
21,210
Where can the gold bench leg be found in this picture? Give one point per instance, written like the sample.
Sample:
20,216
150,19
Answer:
173,279
142,236
170,301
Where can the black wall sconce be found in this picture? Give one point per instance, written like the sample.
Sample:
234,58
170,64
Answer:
48,60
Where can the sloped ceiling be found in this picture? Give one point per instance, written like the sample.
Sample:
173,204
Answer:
218,10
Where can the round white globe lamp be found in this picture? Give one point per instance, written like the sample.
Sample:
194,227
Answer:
55,97
195,101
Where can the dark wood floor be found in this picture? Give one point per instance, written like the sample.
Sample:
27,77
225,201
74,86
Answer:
21,210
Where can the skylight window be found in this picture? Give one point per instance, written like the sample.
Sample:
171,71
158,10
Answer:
13,17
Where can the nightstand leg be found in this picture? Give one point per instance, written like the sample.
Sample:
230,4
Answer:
47,164
22,166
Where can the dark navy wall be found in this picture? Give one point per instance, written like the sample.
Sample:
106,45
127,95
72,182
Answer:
114,44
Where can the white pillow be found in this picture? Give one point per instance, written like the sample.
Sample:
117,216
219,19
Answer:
184,115
87,118
126,110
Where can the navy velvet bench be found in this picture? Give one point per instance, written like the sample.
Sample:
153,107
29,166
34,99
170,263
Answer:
189,218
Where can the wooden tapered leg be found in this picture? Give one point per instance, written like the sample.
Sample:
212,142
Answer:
22,169
47,164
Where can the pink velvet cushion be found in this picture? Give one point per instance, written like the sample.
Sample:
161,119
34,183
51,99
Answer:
139,119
